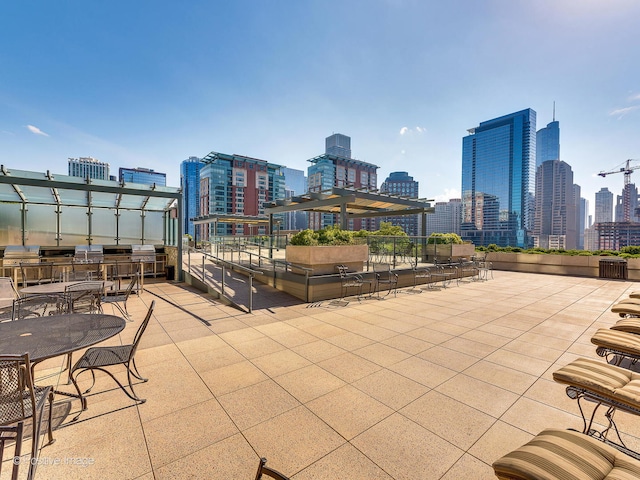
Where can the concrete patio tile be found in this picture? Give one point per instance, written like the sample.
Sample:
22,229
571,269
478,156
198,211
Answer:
429,335
448,418
257,403
228,324
499,440
405,450
294,338
227,459
349,341
258,347
407,344
323,330
469,347
381,354
448,358
288,447
172,386
344,462
200,344
482,396
349,367
524,363
309,382
191,333
281,362
533,417
213,425
317,351
348,411
553,394
232,377
469,467
390,388
489,338
548,354
501,376
240,336
212,359
423,372
151,355
98,457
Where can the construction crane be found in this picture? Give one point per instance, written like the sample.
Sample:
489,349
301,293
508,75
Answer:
626,192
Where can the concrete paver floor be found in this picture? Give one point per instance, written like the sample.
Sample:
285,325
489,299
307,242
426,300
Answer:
435,385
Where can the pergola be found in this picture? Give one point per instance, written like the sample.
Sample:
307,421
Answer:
352,203
59,210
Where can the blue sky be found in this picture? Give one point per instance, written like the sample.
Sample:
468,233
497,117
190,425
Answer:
149,83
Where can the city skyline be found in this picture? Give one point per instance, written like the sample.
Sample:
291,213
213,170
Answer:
404,79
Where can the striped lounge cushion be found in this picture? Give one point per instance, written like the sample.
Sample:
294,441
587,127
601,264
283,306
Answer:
630,325
566,455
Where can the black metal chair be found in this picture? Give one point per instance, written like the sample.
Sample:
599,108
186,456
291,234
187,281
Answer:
99,358
385,278
41,305
117,298
21,402
8,294
350,280
269,472
86,296
422,274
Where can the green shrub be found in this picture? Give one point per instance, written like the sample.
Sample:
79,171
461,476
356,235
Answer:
444,239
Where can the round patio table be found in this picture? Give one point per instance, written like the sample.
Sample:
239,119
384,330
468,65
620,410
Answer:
54,335
58,287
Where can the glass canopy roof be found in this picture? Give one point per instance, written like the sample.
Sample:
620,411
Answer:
48,189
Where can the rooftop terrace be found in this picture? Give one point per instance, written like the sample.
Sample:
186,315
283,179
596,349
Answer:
435,385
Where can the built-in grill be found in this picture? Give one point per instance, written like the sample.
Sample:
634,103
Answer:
143,253
14,255
89,254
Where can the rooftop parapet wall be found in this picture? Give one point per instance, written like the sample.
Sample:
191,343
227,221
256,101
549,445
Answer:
575,265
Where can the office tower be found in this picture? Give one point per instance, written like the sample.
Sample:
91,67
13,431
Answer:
498,180
339,145
548,143
555,222
446,218
401,184
604,206
584,222
328,171
190,185
145,176
234,186
88,167
295,184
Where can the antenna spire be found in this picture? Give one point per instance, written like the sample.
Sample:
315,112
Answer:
554,110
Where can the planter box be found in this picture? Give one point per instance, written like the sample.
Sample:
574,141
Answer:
322,260
443,252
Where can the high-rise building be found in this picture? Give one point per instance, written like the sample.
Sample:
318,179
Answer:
583,222
604,206
626,208
498,180
295,184
234,185
145,176
401,184
339,145
88,167
548,143
190,185
328,171
446,218
555,222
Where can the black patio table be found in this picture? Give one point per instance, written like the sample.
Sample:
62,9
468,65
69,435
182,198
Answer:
54,335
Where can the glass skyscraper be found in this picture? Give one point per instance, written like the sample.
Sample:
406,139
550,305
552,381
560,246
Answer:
190,185
498,181
145,176
401,184
548,143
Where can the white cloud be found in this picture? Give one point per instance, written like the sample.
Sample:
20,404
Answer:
635,97
36,131
448,194
409,131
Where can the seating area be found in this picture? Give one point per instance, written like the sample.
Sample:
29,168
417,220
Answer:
444,383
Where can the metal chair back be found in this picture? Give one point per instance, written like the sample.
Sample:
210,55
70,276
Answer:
41,305
269,472
85,296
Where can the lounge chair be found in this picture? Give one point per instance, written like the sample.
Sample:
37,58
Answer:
568,455
626,309
614,387
616,344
